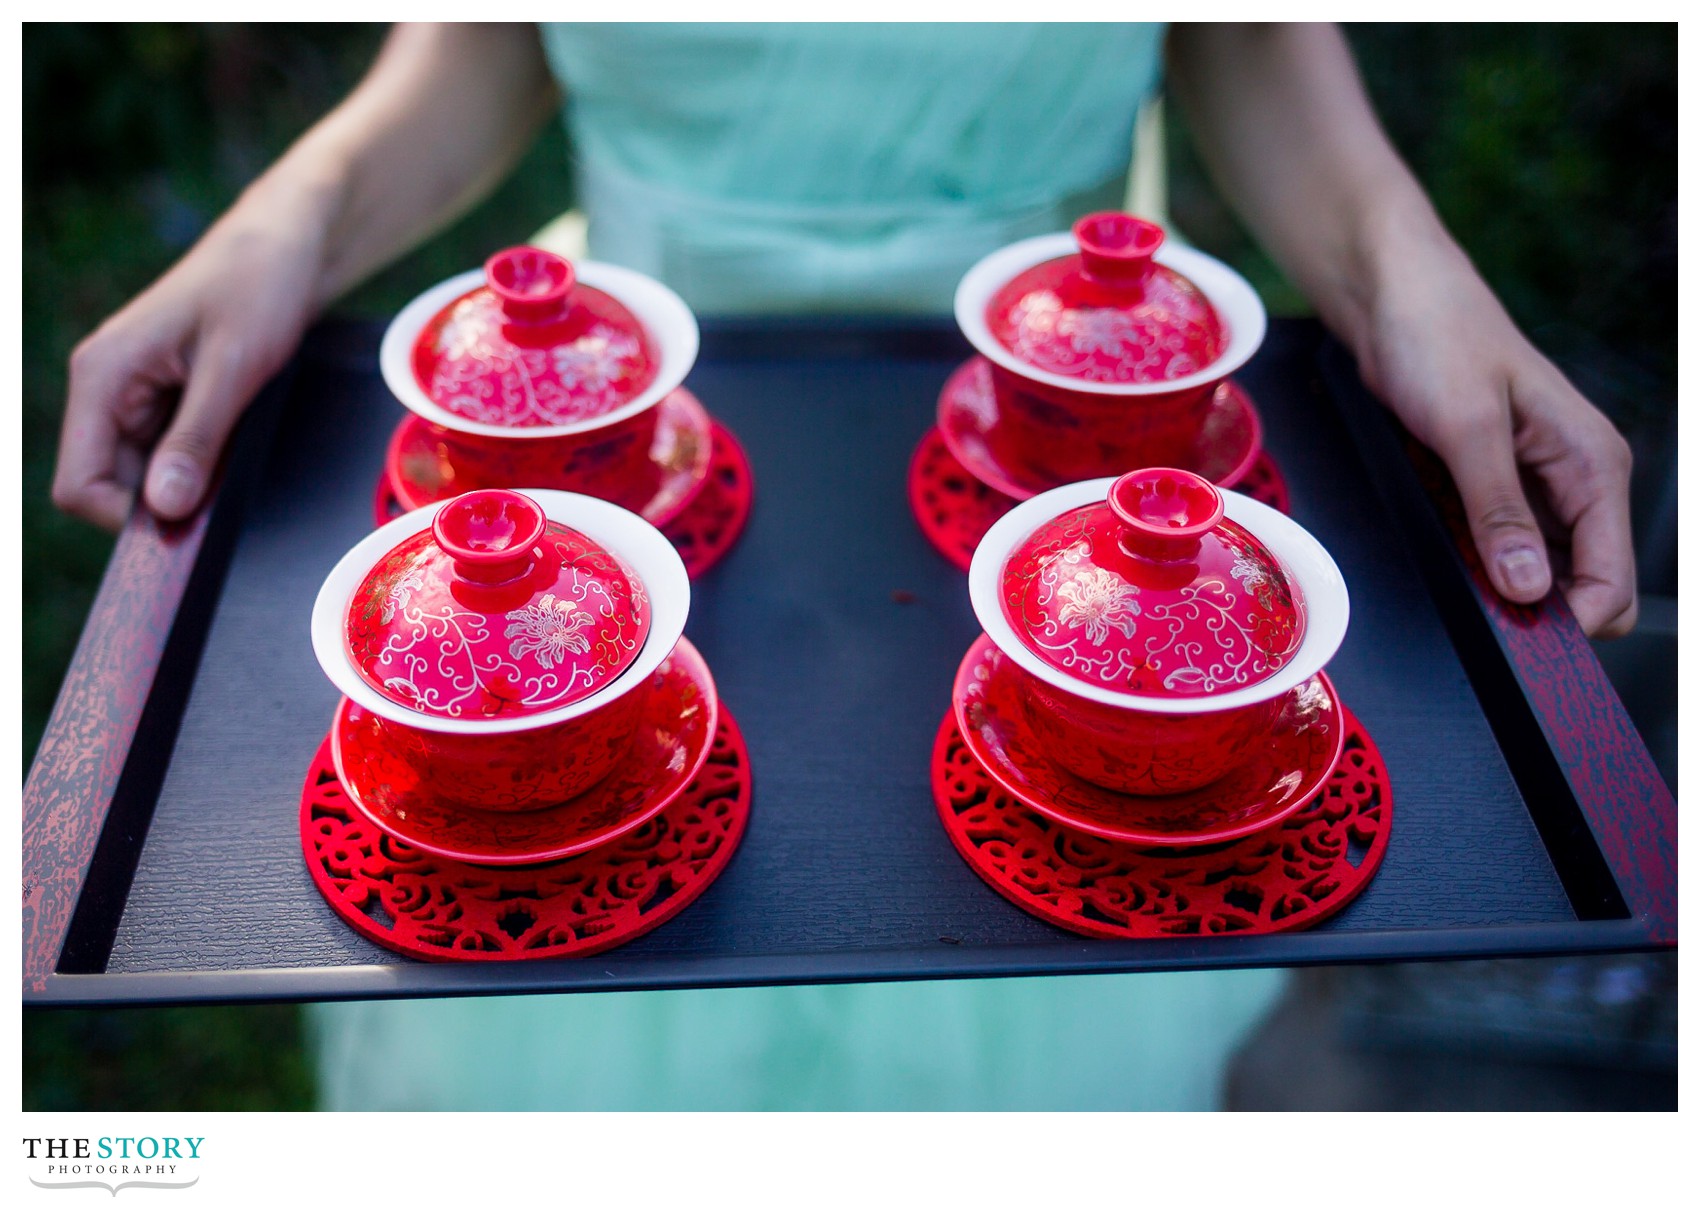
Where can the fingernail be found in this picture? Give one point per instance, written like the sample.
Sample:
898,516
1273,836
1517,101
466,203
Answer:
1524,570
175,487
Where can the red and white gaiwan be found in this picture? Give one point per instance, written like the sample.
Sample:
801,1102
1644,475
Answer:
534,370
1106,346
1156,621
505,640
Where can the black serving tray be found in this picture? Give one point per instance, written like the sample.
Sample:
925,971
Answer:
161,856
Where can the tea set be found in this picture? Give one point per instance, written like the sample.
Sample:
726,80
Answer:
516,686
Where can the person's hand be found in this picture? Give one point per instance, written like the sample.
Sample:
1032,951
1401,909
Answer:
1544,476
444,112
156,390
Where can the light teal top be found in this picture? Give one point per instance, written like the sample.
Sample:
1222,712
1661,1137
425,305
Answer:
763,168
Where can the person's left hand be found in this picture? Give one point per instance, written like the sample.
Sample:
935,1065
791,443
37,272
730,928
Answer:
1543,474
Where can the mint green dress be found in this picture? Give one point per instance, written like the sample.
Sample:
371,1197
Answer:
761,169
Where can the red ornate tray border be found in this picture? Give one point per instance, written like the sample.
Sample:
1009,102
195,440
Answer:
100,760
89,737
1594,746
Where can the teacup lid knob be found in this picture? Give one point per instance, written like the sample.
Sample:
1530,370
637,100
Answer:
491,534
1115,247
1164,512
533,284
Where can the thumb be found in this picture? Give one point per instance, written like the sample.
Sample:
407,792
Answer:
219,388
1509,540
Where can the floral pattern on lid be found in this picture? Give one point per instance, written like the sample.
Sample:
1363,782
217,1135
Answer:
1153,592
533,346
495,612
1109,314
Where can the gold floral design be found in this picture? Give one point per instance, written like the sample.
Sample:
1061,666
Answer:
462,334
1099,600
1248,571
550,628
1098,330
596,360
399,594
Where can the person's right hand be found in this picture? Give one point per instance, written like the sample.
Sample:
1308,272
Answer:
156,390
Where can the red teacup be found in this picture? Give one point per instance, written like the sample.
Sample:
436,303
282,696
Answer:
506,772
538,372
506,642
1065,436
653,464
1157,623
1141,753
1106,346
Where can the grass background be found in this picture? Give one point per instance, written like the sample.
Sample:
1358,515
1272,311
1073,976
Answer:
1549,150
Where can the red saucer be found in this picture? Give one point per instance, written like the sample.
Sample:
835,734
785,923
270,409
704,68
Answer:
1277,780
440,909
704,532
668,749
421,471
1227,445
1286,877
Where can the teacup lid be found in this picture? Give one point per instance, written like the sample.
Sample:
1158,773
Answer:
1153,592
1109,313
495,611
532,346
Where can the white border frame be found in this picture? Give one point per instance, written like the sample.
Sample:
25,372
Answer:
645,549
1327,605
662,313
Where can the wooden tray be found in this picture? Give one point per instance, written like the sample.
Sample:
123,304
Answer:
160,856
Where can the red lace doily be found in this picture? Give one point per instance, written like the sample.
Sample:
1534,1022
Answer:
1291,875
703,533
441,909
955,510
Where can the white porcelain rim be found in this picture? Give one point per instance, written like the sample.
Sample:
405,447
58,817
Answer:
1231,295
1327,605
645,549
661,312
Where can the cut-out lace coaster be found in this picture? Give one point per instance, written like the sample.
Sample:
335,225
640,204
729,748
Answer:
954,510
703,533
1289,876
441,909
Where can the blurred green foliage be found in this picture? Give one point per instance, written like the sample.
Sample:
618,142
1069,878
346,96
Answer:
190,1059
1550,150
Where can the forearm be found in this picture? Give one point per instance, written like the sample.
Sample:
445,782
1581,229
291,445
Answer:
1281,120
443,114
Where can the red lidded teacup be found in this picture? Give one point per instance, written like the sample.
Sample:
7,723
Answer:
537,371
1156,622
505,641
1106,346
